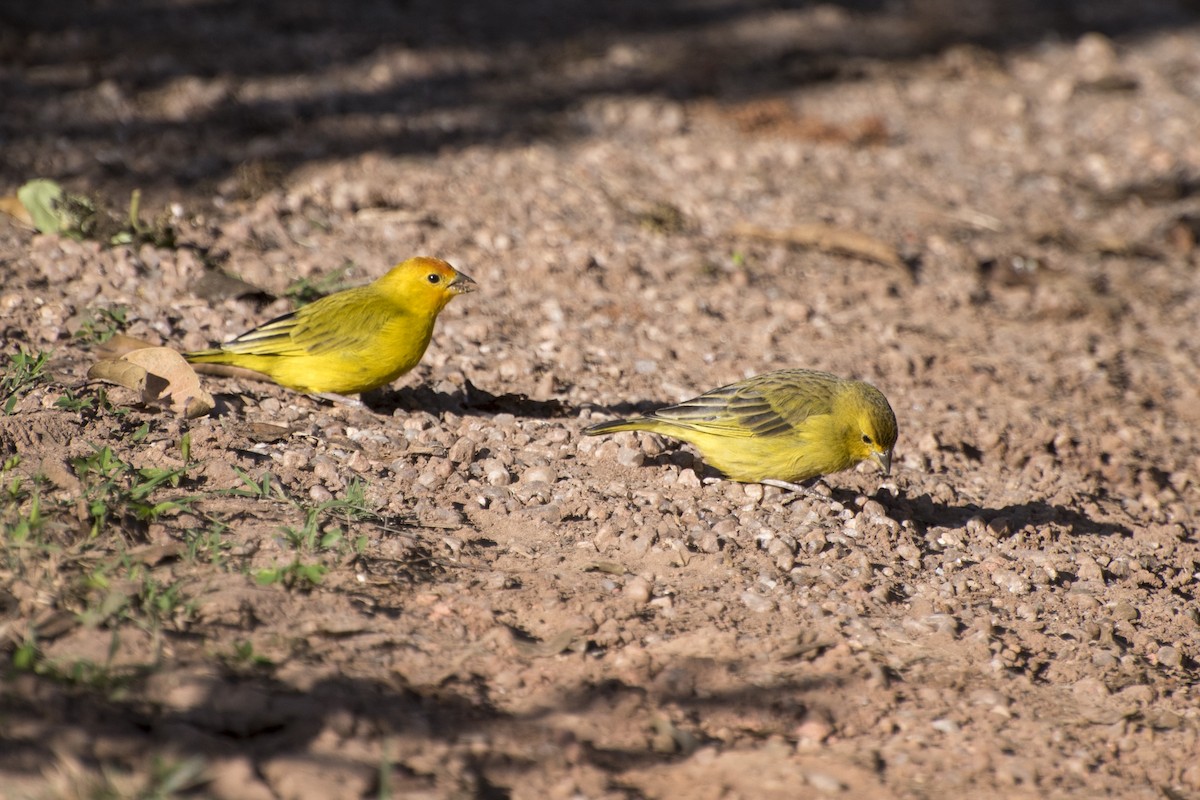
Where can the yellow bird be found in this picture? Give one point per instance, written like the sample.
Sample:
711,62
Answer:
778,428
351,341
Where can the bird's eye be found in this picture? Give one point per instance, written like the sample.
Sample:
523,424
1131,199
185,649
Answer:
866,439
434,278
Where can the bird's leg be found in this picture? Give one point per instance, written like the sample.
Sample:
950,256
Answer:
799,490
340,399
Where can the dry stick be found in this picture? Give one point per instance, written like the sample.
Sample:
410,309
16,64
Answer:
826,238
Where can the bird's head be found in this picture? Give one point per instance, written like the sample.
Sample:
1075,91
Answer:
871,427
424,282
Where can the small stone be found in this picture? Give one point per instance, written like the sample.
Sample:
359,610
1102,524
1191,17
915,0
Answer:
1163,719
874,508
1124,610
824,782
429,479
1169,656
319,494
498,476
638,590
999,526
757,602
630,457
539,475
1010,581
1089,689
1139,693
463,451
947,726
707,542
1089,570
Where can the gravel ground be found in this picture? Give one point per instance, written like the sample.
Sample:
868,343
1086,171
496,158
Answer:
988,211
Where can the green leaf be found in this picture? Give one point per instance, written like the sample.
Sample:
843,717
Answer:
42,199
265,577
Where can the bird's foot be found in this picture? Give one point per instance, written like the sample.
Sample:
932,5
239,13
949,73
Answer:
340,399
797,490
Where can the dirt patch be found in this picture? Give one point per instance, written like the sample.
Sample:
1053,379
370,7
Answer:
448,592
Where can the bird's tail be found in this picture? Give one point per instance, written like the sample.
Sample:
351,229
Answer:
213,356
617,425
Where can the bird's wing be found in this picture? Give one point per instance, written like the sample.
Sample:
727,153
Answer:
768,405
339,322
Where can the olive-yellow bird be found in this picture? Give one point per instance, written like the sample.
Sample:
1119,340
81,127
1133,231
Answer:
778,428
351,341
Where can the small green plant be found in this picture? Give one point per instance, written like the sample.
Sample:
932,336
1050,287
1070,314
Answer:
25,656
207,544
69,402
56,211
161,603
261,489
92,405
296,575
113,486
169,778
101,324
159,233
243,655
23,371
21,518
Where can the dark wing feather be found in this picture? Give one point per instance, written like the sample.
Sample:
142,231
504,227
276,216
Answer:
317,328
766,405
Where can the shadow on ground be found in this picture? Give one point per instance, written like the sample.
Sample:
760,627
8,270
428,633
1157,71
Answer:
169,95
249,714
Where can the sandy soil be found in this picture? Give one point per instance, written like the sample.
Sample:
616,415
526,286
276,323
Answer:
449,592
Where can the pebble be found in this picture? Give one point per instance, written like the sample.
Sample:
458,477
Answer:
429,479
630,457
495,473
1011,582
1170,657
1163,719
1089,689
1088,569
947,726
824,782
1124,610
462,451
325,470
539,475
999,526
757,602
638,590
707,542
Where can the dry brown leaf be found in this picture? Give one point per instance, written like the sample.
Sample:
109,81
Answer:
119,344
829,239
161,375
122,373
12,206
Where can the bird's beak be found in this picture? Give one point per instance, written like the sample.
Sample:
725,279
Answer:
884,460
463,284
